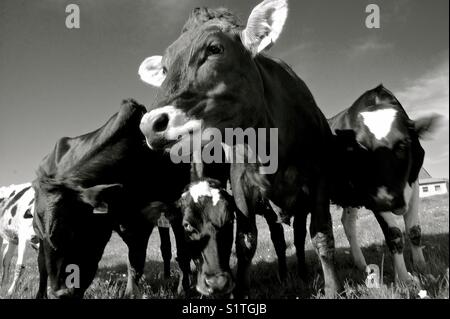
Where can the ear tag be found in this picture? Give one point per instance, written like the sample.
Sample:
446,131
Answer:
103,209
373,276
163,221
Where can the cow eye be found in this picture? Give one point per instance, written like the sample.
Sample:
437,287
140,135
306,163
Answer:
401,147
188,227
214,49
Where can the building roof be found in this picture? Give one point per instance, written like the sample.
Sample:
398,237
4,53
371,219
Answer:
427,181
424,173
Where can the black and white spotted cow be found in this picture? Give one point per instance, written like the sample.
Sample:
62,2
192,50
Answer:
16,229
379,157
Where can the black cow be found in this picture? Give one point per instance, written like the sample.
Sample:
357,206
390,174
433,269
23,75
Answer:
208,216
215,75
93,184
378,158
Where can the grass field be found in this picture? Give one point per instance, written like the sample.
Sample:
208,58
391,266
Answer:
434,212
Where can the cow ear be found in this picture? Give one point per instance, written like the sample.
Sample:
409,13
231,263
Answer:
417,157
237,188
426,125
264,25
98,196
151,71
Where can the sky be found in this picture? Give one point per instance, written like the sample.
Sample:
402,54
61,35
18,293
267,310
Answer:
56,81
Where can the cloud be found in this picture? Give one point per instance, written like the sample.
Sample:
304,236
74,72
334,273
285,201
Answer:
369,45
427,94
440,158
296,50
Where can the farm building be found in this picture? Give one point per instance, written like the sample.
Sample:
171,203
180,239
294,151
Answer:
429,186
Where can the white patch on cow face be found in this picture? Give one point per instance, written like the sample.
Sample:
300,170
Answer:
151,71
379,122
202,189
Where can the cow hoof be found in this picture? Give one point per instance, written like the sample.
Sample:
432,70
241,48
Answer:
409,281
183,286
129,294
332,291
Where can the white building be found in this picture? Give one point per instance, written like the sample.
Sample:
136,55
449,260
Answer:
429,186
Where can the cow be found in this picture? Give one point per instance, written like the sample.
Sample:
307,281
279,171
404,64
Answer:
210,246
378,159
95,183
216,75
16,229
208,220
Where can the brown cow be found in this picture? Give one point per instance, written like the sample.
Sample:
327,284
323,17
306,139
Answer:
215,75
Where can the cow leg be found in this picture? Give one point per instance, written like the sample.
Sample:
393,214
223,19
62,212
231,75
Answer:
43,275
183,256
19,266
412,227
7,256
299,242
1,256
166,249
137,249
279,243
246,242
349,217
321,231
394,241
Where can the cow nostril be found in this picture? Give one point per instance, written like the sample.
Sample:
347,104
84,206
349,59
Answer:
160,124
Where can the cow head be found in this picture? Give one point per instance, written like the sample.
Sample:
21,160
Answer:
73,227
392,154
208,77
208,216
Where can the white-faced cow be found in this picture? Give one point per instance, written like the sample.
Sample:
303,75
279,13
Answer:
208,216
379,156
16,229
93,184
215,75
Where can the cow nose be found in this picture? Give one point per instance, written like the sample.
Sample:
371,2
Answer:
160,123
219,283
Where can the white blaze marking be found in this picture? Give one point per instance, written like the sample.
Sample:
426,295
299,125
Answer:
202,189
379,122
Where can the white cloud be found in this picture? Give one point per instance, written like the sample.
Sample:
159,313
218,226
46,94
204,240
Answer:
369,45
425,95
296,50
428,94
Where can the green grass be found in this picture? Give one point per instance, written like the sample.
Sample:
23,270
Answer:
111,277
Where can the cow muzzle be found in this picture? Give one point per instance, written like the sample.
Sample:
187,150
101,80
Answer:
166,126
217,284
